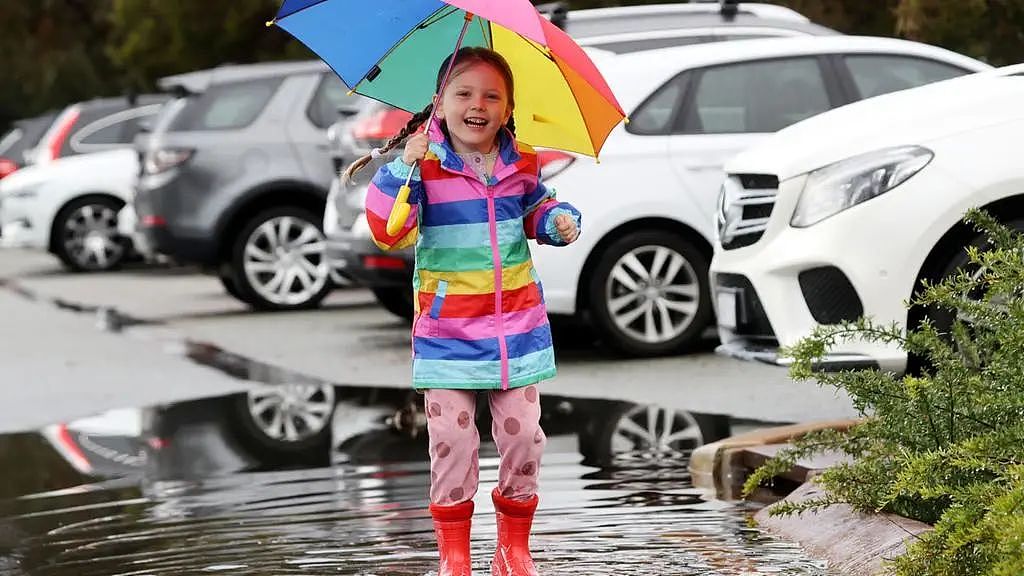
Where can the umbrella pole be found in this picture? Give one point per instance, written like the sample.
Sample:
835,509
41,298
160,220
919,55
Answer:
400,209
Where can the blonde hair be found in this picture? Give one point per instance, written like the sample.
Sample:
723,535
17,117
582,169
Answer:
465,56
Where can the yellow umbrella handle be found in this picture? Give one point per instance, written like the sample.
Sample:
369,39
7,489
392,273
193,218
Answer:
399,211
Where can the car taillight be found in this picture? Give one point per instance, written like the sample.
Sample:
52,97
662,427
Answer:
383,263
67,122
7,167
553,162
163,159
381,126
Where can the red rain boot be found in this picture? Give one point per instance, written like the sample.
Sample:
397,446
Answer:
451,526
512,557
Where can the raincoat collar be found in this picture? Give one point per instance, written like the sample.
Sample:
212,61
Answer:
508,151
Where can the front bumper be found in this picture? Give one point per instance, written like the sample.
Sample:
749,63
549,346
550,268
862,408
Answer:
21,224
861,262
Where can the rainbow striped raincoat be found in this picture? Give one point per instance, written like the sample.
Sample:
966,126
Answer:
480,320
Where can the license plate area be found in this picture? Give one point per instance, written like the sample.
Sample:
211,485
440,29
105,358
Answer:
727,307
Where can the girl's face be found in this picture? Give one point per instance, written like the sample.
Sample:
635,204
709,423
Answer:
475,106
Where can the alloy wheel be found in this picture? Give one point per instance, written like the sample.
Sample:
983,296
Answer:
652,294
284,261
292,412
655,429
90,238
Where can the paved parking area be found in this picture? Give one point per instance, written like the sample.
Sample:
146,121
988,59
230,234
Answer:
352,341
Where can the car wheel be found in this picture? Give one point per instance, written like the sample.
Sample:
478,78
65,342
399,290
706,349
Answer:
943,319
279,262
85,235
286,421
638,430
397,300
649,294
227,280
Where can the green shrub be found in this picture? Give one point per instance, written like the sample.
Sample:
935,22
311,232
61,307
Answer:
944,445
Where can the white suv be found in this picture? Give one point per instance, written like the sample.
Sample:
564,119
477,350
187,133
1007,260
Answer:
844,214
639,270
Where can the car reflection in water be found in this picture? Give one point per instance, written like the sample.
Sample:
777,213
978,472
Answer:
309,425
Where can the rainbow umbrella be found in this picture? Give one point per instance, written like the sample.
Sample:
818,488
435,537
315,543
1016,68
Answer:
390,50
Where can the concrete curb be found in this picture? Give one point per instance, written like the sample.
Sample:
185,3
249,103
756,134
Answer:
721,467
853,543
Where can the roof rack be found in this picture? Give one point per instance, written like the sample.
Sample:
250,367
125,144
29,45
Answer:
727,8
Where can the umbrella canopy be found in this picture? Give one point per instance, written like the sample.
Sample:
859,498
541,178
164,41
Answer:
390,50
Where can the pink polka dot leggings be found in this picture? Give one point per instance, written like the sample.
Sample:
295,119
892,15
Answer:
455,442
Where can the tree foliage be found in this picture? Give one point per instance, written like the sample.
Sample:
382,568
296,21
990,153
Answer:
945,446
60,51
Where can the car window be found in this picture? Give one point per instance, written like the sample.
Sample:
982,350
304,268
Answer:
12,136
876,74
655,116
226,106
330,100
626,46
117,129
763,96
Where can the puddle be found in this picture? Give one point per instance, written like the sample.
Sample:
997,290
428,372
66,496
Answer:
203,487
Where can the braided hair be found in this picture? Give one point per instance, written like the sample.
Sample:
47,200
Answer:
465,55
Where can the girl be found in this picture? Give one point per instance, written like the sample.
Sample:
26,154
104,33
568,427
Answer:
480,320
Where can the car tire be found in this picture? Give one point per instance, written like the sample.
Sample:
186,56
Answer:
278,261
227,280
943,319
84,235
630,311
397,300
253,415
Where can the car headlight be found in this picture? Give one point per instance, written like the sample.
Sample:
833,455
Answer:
844,184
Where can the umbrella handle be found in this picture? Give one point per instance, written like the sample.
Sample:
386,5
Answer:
399,211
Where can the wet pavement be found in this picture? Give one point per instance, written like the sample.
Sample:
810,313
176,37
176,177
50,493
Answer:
215,486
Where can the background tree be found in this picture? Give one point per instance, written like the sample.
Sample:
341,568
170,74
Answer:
153,38
53,54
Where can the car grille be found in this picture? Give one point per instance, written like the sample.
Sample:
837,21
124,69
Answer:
744,207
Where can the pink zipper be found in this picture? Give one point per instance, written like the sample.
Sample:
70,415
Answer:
492,222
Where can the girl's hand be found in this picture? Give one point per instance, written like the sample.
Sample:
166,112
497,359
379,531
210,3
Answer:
415,148
567,229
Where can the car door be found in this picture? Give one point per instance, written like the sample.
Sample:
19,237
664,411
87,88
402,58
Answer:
327,102
730,107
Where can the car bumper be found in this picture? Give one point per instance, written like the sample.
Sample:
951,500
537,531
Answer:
861,262
22,225
158,229
356,257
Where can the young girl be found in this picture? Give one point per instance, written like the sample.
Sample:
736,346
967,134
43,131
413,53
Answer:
480,320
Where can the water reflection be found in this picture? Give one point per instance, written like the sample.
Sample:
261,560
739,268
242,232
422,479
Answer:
205,486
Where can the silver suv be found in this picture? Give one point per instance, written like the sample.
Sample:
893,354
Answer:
235,174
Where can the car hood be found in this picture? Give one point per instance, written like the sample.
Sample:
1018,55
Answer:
909,117
82,169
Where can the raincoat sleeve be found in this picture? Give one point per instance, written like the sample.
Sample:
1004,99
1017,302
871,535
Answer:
380,198
541,210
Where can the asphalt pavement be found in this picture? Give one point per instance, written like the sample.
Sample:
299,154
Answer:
61,360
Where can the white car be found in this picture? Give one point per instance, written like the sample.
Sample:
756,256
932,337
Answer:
69,207
843,215
639,269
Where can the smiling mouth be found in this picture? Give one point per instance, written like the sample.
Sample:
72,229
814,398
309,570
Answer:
475,122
